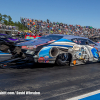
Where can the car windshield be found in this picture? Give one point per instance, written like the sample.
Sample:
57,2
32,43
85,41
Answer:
80,41
51,37
83,41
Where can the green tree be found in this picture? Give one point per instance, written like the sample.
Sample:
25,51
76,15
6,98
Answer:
0,17
9,19
5,22
4,17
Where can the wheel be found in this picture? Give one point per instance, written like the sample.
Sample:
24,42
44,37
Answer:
64,59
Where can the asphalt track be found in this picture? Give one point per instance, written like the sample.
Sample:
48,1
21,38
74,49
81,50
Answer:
53,82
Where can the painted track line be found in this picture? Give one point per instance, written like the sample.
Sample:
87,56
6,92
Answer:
84,95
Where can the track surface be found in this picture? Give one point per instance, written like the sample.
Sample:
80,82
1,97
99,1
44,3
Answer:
53,82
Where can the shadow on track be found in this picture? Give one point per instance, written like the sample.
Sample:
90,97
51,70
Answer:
29,66
42,65
33,66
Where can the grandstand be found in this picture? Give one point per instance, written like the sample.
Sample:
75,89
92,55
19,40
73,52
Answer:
6,29
39,26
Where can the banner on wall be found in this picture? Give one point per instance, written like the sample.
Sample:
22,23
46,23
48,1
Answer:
27,31
31,37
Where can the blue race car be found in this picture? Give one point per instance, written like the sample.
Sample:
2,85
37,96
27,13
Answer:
59,49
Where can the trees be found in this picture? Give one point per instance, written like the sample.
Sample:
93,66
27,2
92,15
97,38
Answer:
7,20
4,19
0,17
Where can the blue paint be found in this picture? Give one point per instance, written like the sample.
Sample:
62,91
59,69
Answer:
45,52
63,40
79,54
93,97
94,52
61,45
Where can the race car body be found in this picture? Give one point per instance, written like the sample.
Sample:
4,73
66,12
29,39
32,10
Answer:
7,42
59,49
8,38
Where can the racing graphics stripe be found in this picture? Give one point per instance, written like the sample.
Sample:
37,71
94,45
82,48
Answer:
61,45
63,40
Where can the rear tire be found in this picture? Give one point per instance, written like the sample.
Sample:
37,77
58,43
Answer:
63,59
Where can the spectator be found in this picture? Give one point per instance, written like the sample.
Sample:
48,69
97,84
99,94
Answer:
61,28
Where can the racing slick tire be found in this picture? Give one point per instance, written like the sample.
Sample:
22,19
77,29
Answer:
64,59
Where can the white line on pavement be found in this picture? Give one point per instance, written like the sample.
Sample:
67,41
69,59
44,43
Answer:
84,95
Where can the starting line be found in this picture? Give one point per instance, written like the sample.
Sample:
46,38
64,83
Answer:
89,96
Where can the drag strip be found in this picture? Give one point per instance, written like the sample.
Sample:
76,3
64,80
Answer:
5,57
53,82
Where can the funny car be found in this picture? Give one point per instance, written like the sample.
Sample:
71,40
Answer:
7,42
60,49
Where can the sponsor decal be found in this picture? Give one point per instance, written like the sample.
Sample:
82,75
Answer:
28,47
24,47
41,59
46,59
34,46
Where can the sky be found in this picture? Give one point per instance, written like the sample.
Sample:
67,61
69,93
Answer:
80,12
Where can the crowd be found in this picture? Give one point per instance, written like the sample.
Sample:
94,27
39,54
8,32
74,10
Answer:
40,28
7,27
47,27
